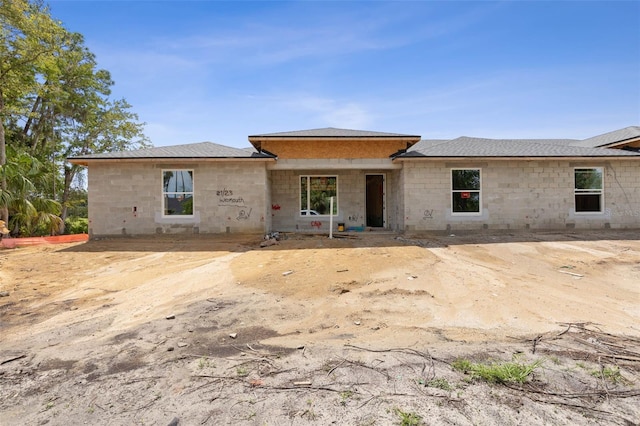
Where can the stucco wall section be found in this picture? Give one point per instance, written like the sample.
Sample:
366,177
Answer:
333,149
116,189
520,195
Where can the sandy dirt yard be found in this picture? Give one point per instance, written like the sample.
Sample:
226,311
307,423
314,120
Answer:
375,329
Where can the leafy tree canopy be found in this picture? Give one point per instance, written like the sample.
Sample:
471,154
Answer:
54,103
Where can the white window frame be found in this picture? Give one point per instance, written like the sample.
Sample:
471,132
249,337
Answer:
453,191
175,193
336,203
590,191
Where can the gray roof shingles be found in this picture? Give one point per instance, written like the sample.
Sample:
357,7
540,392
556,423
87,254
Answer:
332,132
461,147
193,150
479,147
621,135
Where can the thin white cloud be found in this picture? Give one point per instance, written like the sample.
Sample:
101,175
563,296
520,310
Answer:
323,111
348,115
276,40
274,45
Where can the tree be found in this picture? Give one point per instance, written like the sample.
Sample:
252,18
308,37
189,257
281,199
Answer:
50,81
29,209
108,126
28,39
72,115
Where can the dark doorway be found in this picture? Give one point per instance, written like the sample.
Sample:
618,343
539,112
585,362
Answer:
375,200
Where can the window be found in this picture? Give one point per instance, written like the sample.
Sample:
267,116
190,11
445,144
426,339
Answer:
316,193
177,192
465,191
588,190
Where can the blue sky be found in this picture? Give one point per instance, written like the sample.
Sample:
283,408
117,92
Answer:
219,71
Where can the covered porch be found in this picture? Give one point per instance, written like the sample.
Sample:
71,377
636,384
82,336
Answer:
365,195
354,167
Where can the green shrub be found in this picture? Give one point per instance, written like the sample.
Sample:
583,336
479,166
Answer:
76,225
408,419
610,373
497,372
440,384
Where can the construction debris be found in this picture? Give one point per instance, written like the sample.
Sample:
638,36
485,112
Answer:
573,274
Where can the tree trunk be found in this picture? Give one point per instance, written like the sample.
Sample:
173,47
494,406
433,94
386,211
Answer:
4,210
69,174
36,105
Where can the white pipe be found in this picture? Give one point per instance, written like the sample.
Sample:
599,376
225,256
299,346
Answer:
331,218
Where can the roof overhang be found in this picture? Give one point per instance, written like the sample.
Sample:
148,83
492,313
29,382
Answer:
620,144
506,158
334,164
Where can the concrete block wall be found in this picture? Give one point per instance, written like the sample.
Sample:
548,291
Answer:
116,189
394,200
285,194
400,207
622,194
519,195
515,195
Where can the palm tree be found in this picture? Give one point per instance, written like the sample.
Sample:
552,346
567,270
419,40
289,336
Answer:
30,210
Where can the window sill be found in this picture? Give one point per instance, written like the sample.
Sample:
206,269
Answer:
162,219
606,214
459,217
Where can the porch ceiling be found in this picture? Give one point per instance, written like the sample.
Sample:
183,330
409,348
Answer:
334,164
